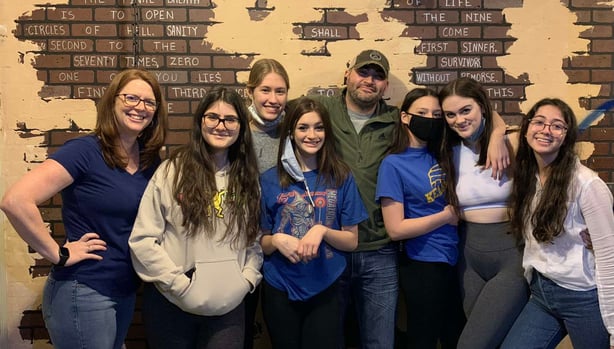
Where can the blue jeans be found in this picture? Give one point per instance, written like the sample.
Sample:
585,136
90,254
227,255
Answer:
371,282
553,312
78,317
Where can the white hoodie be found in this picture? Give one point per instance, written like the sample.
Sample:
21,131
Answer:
162,252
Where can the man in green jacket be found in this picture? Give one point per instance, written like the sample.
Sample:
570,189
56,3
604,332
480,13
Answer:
363,125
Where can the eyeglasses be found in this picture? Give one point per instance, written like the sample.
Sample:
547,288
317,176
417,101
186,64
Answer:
133,101
557,128
231,123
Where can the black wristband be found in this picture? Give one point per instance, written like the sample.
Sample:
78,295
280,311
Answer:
64,254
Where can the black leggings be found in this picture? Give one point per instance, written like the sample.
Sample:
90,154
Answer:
302,325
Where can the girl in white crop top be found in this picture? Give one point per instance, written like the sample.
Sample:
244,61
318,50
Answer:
493,286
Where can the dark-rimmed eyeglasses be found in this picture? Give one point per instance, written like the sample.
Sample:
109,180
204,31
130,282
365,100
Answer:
134,100
556,128
231,123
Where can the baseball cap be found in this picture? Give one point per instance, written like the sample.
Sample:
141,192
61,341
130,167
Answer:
371,57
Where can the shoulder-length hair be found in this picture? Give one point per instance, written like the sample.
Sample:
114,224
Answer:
194,183
550,212
261,68
467,88
400,138
331,168
153,136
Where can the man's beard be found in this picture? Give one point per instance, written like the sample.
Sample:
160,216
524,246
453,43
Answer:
363,102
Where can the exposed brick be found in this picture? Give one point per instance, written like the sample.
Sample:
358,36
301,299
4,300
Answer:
502,4
602,75
353,33
68,76
460,4
170,15
69,14
324,32
165,46
188,61
404,16
583,17
144,30
589,4
35,15
178,107
592,61
423,32
600,163
521,79
232,61
481,16
200,46
601,46
201,16
496,32
186,92
414,4
166,77
577,76
437,17
201,3
180,123
54,91
436,47
93,30
459,32
602,134
484,76
45,30
186,30
603,16
176,137
342,17
212,77
602,149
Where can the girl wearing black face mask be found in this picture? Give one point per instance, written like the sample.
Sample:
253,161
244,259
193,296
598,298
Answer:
414,204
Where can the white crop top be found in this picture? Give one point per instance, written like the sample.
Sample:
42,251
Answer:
475,187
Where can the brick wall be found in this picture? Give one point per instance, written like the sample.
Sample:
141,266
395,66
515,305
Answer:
84,42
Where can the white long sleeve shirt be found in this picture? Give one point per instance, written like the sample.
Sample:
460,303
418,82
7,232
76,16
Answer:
567,261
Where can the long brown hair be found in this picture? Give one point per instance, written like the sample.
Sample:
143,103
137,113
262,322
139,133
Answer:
467,88
194,183
549,215
153,136
331,167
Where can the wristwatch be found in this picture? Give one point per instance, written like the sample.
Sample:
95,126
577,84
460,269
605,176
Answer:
64,254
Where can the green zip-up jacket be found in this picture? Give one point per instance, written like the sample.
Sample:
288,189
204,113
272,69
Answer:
364,152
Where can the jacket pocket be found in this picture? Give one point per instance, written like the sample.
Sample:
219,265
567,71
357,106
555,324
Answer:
217,287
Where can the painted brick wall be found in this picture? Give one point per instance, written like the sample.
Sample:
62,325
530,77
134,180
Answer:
84,42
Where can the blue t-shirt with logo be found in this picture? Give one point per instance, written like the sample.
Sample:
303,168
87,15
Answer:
415,179
289,211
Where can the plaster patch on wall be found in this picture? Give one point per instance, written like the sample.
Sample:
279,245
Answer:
272,38
546,36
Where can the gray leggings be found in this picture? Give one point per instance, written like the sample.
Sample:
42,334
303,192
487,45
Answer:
492,282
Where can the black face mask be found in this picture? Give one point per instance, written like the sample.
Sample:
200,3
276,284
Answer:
426,129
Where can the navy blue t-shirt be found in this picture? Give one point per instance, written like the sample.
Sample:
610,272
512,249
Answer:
103,200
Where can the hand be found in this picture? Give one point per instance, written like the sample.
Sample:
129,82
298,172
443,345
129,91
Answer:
288,246
310,243
452,216
84,248
498,155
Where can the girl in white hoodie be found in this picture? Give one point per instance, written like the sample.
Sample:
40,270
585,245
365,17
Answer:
194,239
